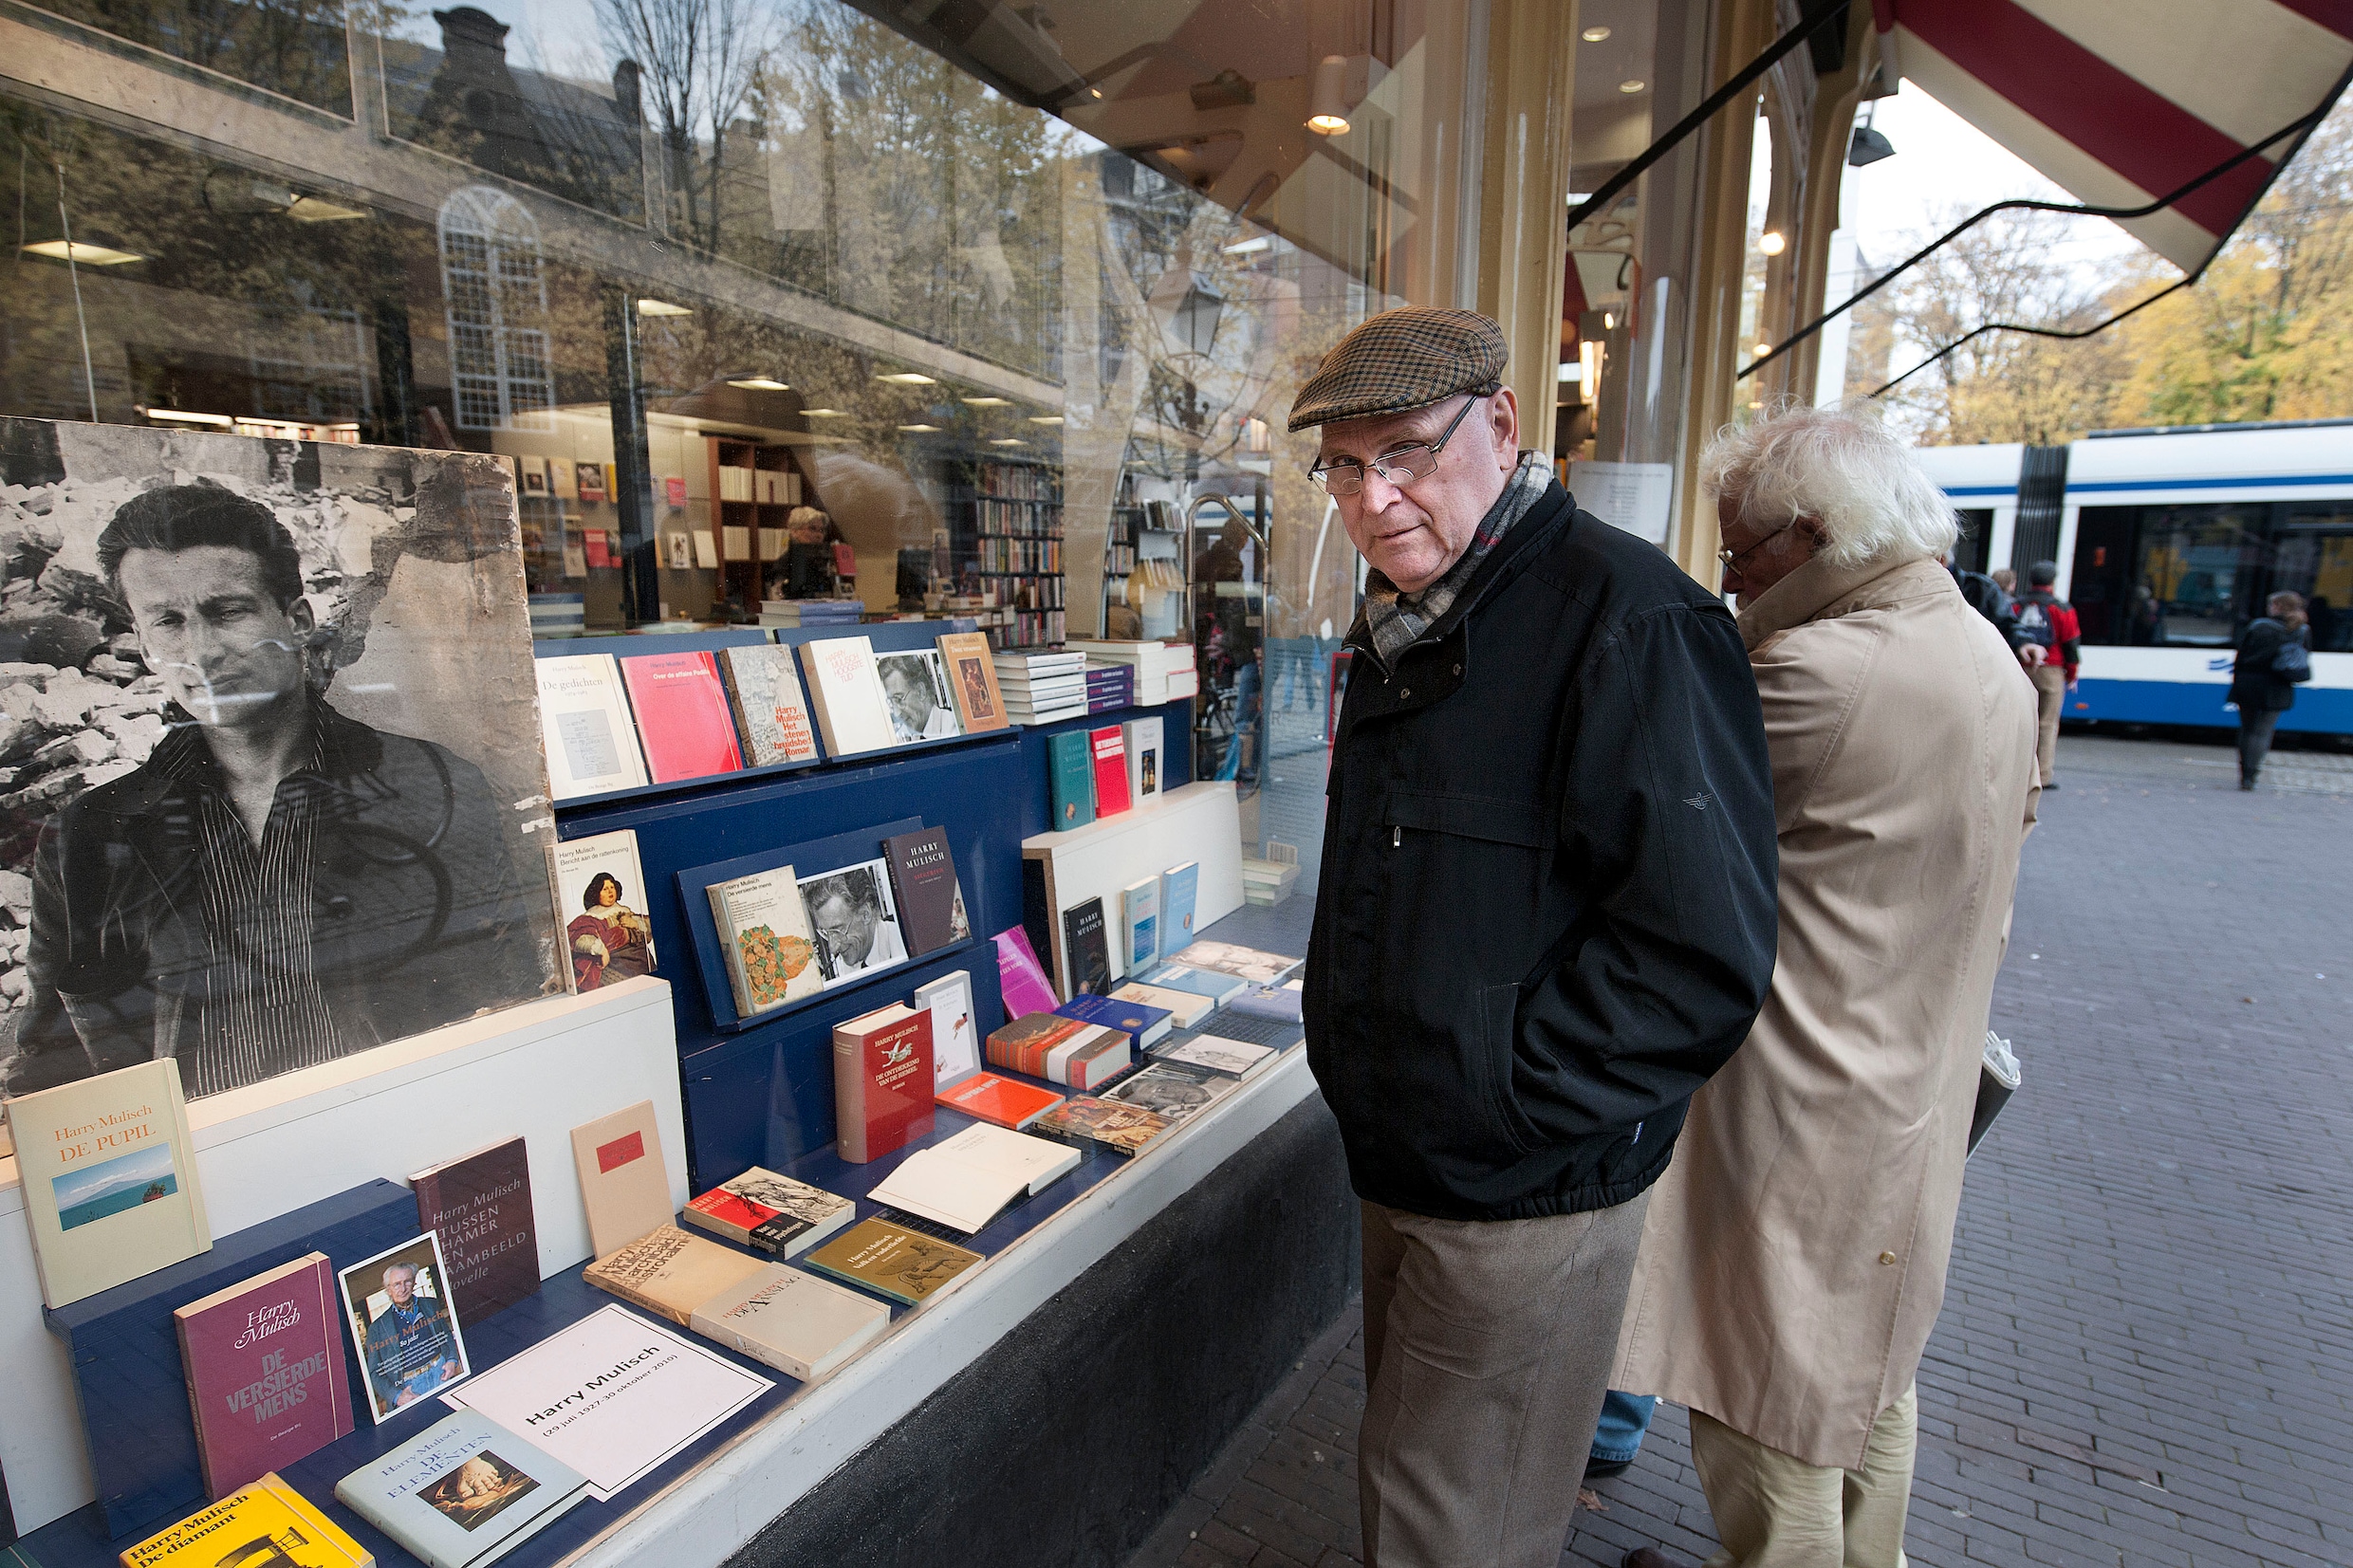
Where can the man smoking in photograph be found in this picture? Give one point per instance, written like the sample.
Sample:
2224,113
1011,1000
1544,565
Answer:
277,885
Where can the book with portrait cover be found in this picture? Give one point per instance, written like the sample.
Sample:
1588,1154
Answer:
764,691
1073,778
798,1324
264,1361
882,1080
670,1272
1108,747
764,930
267,1514
682,715
931,901
624,1183
770,1213
1146,765
601,895
1091,1123
481,1204
907,1265
1086,949
845,692
584,721
109,1179
973,677
461,1493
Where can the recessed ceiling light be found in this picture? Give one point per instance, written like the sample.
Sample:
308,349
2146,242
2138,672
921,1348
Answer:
1632,86
188,416
661,307
1594,35
1094,92
320,210
824,413
1046,419
1009,441
988,402
761,383
1764,348
923,427
907,379
1243,247
1773,242
82,251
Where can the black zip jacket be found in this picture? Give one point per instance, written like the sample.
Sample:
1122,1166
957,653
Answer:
1548,909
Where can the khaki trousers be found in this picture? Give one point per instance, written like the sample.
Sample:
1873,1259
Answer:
2050,695
1487,1346
1772,1511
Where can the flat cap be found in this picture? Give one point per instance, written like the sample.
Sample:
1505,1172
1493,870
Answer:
1402,359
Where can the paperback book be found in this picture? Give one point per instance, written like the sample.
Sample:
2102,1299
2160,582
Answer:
624,1183
267,1525
955,1039
600,891
964,1182
845,689
1144,1026
1140,909
1214,984
670,1273
1108,748
263,1362
1171,1089
1234,1058
907,1265
973,677
410,1342
1185,1008
915,688
764,693
584,718
1180,887
1001,1101
462,1493
764,932
1087,1123
480,1203
855,920
682,715
1086,949
802,1326
1072,771
1144,760
931,901
770,1213
1267,968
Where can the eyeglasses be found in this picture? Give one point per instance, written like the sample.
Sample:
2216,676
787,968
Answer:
1730,556
1400,468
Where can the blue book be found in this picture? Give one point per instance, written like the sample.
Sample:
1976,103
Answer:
1144,1025
1071,762
1180,890
1280,1002
1213,984
462,1491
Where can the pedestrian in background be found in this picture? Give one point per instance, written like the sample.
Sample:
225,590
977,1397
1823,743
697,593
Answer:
2047,622
1546,917
2005,579
2272,662
1793,1259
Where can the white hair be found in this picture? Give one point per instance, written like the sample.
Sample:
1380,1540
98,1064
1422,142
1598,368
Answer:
1842,468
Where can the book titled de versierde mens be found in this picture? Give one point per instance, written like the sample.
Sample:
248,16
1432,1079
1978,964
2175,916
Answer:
264,1361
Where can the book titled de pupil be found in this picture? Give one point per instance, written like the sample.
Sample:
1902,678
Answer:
882,1080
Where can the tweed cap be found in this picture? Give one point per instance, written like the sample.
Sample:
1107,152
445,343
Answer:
1402,359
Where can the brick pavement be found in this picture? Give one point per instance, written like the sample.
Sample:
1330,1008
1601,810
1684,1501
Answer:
2146,1352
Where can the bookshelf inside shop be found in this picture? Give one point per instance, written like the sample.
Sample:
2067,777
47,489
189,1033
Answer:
1143,577
1008,549
754,488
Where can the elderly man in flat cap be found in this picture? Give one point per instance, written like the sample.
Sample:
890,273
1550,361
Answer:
1547,917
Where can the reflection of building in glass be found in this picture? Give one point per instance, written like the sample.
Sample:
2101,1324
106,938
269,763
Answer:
497,305
309,361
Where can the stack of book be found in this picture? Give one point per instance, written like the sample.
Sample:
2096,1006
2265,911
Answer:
1109,686
1268,882
1164,671
810,612
1041,688
559,613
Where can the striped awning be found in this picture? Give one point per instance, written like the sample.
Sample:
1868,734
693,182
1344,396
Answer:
2122,101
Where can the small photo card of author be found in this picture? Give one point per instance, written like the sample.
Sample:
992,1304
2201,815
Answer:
401,1320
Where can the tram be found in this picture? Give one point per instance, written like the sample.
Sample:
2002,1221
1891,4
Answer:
2168,543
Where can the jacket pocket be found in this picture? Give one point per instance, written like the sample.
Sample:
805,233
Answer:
1483,818
1500,1018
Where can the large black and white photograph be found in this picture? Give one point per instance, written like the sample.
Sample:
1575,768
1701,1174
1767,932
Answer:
855,921
271,782
914,687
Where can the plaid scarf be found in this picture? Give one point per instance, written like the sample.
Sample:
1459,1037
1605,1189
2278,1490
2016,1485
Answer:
1394,622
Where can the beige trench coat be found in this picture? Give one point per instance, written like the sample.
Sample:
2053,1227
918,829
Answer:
1794,1259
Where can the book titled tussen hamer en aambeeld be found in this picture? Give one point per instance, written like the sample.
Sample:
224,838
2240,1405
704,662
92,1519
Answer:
481,1204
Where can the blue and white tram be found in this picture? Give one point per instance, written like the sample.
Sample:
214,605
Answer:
2169,542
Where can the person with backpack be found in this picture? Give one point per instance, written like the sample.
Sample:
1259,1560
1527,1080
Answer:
2047,621
2272,662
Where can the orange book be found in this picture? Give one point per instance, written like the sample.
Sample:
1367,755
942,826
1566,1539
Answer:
1023,1046
998,1100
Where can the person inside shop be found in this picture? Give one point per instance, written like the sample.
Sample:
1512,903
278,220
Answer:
410,1348
610,941
1545,918
1793,1259
278,884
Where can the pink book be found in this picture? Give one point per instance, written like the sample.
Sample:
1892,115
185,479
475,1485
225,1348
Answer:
682,715
1021,979
264,1361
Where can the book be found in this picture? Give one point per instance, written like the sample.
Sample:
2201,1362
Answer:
1087,1123
1086,949
109,1178
770,1213
462,1493
931,901
1140,921
1024,1044
1173,1089
1092,1059
1001,1101
802,1326
855,920
764,693
1214,984
1254,1030
410,1342
1268,969
263,1362
583,721
956,1034
845,692
763,932
1279,1003
623,1180
601,893
1109,750
1144,1025
891,1259
973,677
883,1081
481,1204
1180,889
1145,761
682,715
1234,1058
1022,980
1071,772
1185,1008
268,1524
963,1182
915,688
670,1272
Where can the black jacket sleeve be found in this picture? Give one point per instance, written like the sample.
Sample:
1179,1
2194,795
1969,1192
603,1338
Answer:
1671,806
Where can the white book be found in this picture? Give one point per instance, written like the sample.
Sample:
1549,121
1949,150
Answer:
1140,902
802,1326
1227,1055
965,1181
109,1179
764,930
1184,1008
1146,762
845,688
584,721
601,899
955,1039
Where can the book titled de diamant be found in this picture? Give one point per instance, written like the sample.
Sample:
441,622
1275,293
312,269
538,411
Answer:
931,901
481,1204
462,1493
882,1080
269,1512
264,1361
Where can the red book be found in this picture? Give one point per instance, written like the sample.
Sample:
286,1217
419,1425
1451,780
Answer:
1023,1046
998,1100
1110,748
682,715
882,1078
264,1361
481,1204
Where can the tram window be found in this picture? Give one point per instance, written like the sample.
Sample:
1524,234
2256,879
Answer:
2101,585
1969,551
2314,557
2197,575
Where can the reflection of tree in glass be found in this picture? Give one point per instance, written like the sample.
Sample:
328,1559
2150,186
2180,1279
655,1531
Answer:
293,48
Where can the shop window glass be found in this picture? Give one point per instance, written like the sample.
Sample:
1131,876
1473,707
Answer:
296,49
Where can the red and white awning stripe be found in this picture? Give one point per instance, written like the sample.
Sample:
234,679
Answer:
2119,102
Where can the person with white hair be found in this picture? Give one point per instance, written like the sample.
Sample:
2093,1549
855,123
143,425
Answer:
1793,1259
